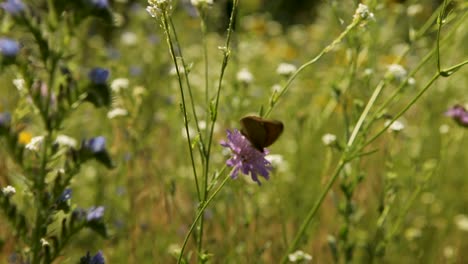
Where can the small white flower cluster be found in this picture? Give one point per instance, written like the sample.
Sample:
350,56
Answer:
396,126
66,141
286,69
397,71
300,256
9,191
363,12
155,7
461,221
245,76
119,84
116,112
328,139
35,143
200,3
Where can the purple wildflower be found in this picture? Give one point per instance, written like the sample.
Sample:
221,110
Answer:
95,213
459,114
245,158
96,145
99,75
96,259
9,47
13,7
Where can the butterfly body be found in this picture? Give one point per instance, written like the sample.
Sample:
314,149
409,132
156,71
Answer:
261,132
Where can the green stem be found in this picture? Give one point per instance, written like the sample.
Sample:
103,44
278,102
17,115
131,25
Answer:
214,113
199,214
184,109
300,234
312,61
189,88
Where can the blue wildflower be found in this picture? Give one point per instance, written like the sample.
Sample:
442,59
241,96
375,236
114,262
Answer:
99,75
9,47
96,145
96,259
245,158
95,213
13,7
65,196
5,119
101,4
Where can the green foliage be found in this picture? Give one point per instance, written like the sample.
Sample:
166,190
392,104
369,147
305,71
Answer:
386,184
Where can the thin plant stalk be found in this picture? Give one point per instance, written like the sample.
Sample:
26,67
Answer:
201,210
183,105
214,114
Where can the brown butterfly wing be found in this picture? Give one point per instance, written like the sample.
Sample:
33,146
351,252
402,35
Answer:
261,132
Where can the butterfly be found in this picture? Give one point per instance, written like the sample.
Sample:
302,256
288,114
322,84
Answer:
261,132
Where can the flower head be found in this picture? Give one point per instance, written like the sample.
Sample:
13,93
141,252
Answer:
9,191
5,119
299,256
9,47
35,143
245,76
395,126
459,114
328,139
99,75
65,196
96,145
13,7
156,7
96,259
95,213
286,69
100,4
397,72
362,12
245,158
66,141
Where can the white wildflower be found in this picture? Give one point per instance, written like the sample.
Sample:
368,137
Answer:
277,161
363,12
412,233
396,126
286,69
199,3
245,76
449,252
276,88
155,7
444,129
34,144
299,255
414,10
116,112
44,242
66,141
9,191
397,71
129,38
411,81
19,84
368,71
461,221
173,70
328,139
119,84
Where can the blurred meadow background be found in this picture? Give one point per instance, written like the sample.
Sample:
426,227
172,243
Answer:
401,198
